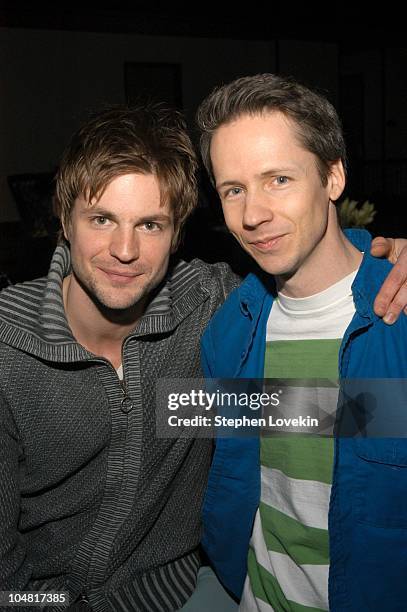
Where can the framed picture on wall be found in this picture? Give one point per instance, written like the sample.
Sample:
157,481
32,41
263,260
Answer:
153,81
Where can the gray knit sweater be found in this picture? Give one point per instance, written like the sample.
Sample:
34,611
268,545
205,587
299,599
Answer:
91,502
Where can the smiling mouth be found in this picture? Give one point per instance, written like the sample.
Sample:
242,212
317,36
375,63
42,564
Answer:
268,244
120,276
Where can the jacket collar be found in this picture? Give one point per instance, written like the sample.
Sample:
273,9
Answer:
253,291
371,274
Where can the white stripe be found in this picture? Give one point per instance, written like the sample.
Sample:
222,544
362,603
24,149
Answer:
304,584
250,602
306,501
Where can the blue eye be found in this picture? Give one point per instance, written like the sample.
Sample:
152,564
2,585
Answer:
233,191
282,180
100,220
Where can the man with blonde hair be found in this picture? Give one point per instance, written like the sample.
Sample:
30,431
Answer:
304,523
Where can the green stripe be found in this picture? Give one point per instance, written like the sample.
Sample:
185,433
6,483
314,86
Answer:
300,457
295,607
302,358
265,586
283,534
303,457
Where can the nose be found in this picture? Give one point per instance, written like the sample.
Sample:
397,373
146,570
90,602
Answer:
257,209
124,244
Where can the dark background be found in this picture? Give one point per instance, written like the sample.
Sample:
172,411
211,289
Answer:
57,63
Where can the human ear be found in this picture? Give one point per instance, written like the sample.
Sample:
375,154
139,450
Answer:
336,180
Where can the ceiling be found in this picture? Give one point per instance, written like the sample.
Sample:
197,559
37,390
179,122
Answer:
268,22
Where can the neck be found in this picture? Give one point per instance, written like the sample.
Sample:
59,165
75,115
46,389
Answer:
98,329
333,258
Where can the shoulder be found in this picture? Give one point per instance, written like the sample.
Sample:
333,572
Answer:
217,273
368,281
217,279
232,319
21,301
244,300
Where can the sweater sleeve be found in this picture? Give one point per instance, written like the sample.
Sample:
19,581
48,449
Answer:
228,280
14,573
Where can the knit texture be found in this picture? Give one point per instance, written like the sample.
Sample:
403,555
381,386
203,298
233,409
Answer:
90,500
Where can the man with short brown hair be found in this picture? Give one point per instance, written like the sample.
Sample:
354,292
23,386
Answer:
91,502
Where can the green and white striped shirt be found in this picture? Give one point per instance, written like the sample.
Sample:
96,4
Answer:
288,559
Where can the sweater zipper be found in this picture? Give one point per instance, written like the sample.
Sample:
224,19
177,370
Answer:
126,404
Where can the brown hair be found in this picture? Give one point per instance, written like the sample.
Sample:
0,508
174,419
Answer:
122,140
317,124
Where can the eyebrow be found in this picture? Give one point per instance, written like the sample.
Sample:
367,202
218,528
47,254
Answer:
103,212
162,218
278,171
265,174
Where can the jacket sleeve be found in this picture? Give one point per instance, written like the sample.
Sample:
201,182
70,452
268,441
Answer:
12,548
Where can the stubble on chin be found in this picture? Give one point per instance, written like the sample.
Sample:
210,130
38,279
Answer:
117,298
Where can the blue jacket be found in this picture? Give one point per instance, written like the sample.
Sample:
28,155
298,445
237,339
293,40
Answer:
368,506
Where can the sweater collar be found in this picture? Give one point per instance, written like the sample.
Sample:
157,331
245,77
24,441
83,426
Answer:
32,314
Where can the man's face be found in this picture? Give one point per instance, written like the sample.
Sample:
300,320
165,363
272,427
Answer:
120,245
272,197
